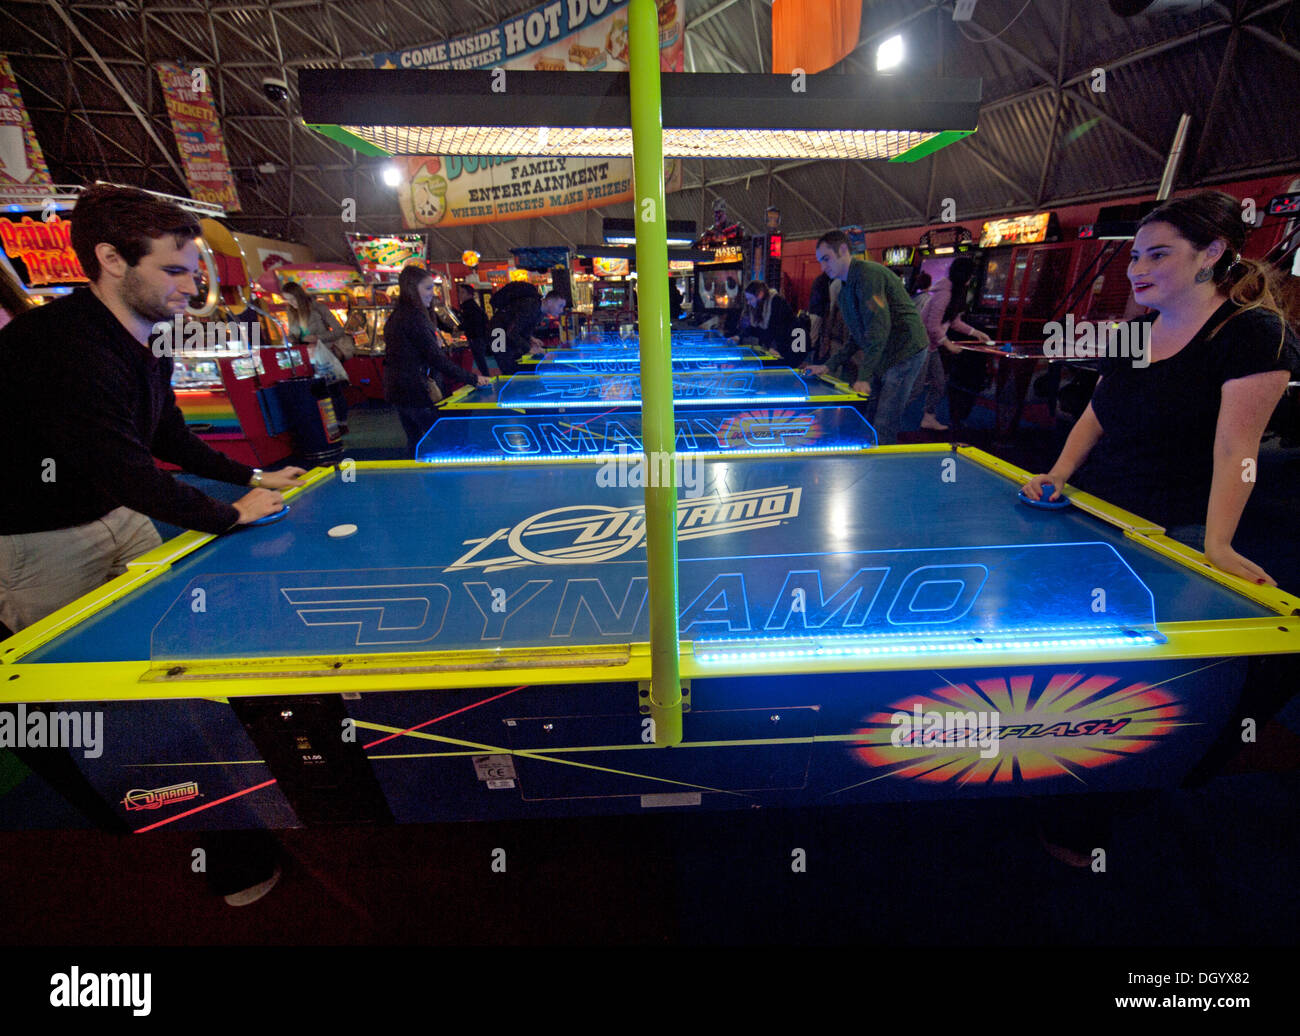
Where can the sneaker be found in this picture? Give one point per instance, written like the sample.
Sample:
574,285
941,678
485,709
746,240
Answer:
254,892
931,423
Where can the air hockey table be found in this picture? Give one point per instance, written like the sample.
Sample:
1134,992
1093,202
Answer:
563,389
1014,365
477,647
627,357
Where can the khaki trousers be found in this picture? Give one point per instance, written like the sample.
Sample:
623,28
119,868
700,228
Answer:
40,572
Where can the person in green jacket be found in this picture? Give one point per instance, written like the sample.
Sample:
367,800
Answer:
883,324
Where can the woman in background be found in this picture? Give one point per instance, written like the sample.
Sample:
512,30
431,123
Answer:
769,318
311,323
942,309
417,371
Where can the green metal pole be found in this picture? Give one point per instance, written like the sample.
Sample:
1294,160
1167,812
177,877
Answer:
656,369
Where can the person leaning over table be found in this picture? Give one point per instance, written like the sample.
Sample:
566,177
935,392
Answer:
89,407
1176,439
942,309
883,324
769,319
413,355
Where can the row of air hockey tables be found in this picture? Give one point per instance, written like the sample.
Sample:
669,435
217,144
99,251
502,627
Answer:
465,636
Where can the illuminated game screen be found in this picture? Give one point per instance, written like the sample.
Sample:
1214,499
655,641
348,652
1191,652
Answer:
612,296
994,288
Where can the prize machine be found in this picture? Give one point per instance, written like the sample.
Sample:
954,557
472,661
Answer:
280,408
766,250
381,259
617,259
337,285
681,272
236,387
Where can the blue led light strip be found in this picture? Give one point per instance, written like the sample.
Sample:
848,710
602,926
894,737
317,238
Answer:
885,645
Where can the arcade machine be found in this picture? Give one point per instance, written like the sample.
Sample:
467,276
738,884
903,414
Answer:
613,306
901,259
381,258
337,285
720,281
938,248
230,386
1022,274
765,250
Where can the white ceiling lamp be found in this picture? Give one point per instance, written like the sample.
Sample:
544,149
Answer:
889,55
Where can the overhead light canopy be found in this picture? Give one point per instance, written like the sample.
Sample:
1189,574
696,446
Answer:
705,115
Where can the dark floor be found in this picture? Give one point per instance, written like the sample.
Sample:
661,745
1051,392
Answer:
1214,865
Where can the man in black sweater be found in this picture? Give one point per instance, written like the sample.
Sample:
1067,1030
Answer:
474,323
89,405
517,309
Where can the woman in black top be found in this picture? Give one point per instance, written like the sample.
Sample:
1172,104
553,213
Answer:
769,318
413,355
1174,435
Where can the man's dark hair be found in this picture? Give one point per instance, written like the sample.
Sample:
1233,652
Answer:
554,295
129,220
834,240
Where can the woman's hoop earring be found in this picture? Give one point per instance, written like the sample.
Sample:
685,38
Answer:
1204,275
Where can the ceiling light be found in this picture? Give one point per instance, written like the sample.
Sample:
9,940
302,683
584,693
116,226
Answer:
705,115
889,54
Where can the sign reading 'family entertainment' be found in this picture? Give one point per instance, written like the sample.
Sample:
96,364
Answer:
558,36
449,191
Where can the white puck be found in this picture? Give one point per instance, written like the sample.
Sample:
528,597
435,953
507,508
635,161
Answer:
341,531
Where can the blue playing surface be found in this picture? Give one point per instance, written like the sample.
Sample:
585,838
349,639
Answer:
476,533
694,388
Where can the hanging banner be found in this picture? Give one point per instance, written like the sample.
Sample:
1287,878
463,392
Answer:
198,134
557,36
40,251
23,172
449,191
